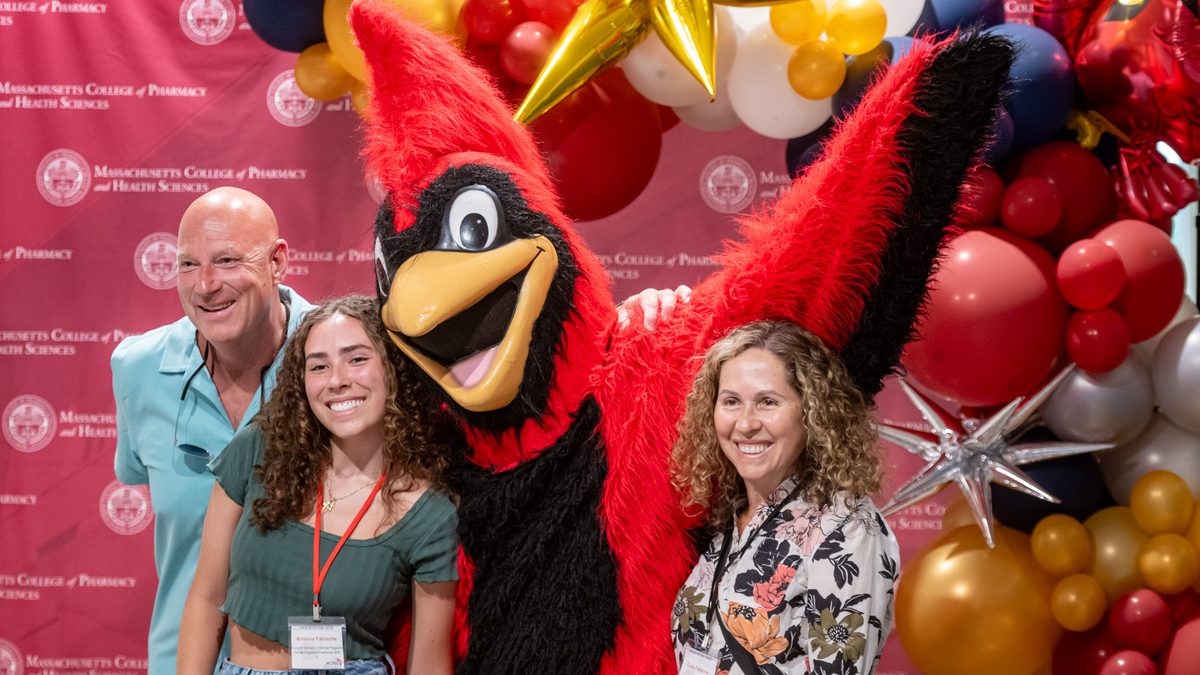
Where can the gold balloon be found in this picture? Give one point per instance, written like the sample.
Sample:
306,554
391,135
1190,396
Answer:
1169,563
319,75
1078,603
816,70
360,98
1193,532
957,514
1061,545
962,607
438,15
856,26
1161,502
798,22
1116,541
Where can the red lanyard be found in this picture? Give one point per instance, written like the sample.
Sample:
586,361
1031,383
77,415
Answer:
319,578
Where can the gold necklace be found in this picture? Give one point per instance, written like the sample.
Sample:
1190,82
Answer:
328,504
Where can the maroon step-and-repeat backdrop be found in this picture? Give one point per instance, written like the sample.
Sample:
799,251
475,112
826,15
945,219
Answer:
114,116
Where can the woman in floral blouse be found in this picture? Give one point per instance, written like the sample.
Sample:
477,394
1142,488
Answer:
778,441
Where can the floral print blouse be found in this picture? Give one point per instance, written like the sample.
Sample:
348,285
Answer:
812,594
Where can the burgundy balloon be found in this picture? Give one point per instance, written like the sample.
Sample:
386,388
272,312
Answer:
1154,276
554,13
1097,339
1032,207
994,323
1090,274
525,51
601,145
1183,605
1182,654
1129,662
492,20
1141,620
1083,184
982,193
1084,653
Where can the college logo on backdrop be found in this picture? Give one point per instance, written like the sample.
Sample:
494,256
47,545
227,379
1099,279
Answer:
727,184
155,261
288,105
63,178
126,508
11,661
207,22
28,424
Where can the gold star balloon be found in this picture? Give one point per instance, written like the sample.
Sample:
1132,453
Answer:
975,453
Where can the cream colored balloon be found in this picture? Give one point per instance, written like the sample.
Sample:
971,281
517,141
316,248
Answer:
660,77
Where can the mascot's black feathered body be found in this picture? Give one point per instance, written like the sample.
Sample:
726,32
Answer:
575,543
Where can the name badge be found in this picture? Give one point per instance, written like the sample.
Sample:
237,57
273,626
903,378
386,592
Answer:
317,645
698,662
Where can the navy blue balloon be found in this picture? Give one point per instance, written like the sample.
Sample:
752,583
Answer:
951,14
1003,135
861,71
288,25
1043,85
803,151
1075,480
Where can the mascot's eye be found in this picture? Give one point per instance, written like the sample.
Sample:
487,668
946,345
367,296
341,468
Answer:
474,221
381,270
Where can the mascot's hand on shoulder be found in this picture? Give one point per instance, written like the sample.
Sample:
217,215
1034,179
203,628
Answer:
574,541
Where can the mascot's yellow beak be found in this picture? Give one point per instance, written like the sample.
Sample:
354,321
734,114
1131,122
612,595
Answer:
432,288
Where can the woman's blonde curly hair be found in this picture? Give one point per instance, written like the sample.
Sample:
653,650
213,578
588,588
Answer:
417,436
840,453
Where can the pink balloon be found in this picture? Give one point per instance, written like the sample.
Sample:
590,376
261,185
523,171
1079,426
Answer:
525,51
1182,655
1090,274
1141,620
1129,662
1154,276
994,323
1032,207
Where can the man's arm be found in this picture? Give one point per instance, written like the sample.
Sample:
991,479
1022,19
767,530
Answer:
127,465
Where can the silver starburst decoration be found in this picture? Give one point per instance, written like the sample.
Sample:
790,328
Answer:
975,453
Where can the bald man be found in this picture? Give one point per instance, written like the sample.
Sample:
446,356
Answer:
184,389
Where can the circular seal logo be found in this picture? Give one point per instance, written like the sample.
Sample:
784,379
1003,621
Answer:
28,424
207,22
126,508
288,105
11,661
155,261
63,177
727,184
376,188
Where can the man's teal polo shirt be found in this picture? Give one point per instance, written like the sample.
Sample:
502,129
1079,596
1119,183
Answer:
148,377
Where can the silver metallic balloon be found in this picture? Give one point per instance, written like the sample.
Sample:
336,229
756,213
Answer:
1161,446
1112,407
1145,348
1175,372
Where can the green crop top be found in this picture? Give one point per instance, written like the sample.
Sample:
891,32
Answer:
270,575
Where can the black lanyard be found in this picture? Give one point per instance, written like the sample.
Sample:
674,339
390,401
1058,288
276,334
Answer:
721,562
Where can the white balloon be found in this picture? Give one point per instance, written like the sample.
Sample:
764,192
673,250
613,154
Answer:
902,15
1145,349
761,94
715,115
747,18
1112,407
1162,446
1176,374
656,74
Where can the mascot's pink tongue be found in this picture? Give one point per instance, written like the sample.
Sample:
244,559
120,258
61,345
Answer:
470,371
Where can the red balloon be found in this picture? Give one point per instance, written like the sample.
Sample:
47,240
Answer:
1141,620
1097,339
1129,662
1182,655
1083,653
1138,65
1082,182
554,13
1182,605
1090,274
525,51
1154,276
492,20
981,196
994,324
601,144
1031,207
667,117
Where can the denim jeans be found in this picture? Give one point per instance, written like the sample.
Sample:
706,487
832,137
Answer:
353,667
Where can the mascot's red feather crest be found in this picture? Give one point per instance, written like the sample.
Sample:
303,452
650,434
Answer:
575,543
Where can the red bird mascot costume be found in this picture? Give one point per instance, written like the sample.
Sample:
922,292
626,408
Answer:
575,544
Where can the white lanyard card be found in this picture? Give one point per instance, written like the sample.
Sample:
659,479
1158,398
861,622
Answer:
699,662
317,645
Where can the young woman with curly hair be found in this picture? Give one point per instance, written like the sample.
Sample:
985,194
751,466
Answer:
777,444
337,450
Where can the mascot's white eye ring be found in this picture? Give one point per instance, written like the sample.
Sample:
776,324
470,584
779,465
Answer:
381,270
473,219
